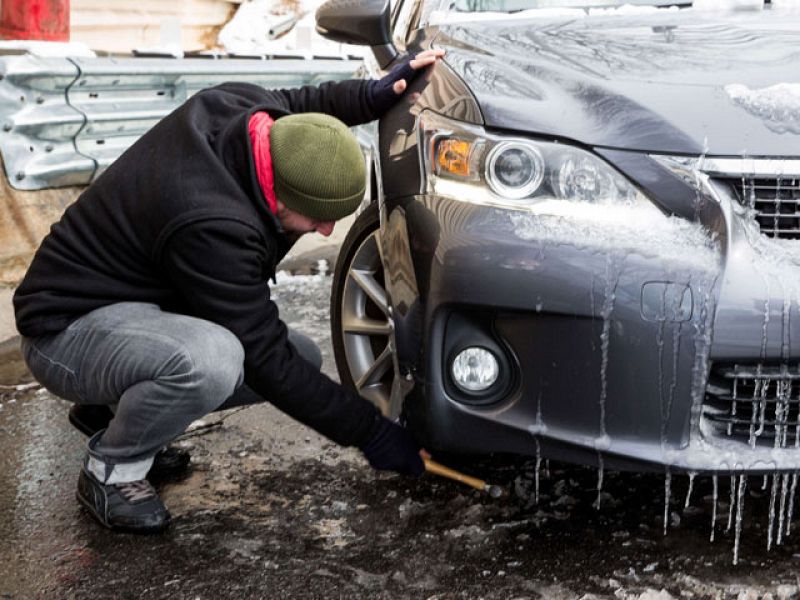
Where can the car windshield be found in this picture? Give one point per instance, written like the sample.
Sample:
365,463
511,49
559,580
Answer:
519,5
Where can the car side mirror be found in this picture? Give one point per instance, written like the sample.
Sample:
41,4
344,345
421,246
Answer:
359,22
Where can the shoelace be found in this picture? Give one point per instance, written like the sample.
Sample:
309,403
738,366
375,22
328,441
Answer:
135,491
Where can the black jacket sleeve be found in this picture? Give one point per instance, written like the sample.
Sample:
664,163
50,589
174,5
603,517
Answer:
219,267
349,100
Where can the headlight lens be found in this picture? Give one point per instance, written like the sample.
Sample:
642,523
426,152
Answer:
463,161
514,170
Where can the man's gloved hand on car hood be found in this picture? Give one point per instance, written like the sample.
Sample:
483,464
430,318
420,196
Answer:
392,448
384,92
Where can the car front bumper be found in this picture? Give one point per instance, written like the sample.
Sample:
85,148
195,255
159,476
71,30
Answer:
614,331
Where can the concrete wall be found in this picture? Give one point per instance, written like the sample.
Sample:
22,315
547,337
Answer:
25,218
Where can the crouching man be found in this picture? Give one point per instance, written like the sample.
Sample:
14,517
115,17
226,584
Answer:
148,304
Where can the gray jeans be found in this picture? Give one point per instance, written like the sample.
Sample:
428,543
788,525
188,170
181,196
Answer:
159,371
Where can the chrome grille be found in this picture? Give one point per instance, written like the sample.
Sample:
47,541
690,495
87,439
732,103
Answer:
774,203
755,404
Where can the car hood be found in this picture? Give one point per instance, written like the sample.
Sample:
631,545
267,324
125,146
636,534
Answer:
666,81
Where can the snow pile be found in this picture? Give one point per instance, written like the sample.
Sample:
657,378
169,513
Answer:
439,17
288,285
778,105
776,255
252,28
256,30
291,282
728,4
629,9
792,5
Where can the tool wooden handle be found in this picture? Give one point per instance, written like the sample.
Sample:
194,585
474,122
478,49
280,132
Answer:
437,469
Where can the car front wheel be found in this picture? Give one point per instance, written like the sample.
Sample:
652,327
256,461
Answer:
362,329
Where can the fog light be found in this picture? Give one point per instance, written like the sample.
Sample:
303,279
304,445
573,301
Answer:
475,369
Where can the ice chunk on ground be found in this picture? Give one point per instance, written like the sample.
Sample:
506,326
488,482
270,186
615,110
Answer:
655,595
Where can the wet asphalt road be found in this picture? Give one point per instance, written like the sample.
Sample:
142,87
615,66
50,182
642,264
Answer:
272,510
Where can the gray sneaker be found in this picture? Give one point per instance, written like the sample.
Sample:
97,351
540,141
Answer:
133,507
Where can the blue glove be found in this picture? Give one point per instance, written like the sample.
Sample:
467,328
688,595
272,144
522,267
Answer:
392,448
380,94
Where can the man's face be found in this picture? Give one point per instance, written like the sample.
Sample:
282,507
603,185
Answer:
294,222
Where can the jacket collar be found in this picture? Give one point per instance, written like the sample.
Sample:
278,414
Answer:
233,145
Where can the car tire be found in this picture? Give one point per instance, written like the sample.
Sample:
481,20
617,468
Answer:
362,329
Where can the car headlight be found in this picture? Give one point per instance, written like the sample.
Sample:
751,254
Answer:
464,161
514,170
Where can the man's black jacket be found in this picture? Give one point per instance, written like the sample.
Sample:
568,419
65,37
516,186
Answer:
179,220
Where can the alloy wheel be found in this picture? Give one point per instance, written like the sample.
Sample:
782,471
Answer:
367,328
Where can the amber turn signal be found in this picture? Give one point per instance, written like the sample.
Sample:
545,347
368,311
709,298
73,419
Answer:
452,157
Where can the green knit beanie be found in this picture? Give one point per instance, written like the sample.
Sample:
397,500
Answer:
317,166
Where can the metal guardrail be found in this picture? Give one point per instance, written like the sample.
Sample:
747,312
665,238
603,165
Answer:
63,121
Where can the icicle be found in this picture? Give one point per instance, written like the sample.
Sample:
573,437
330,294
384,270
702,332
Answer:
739,512
776,216
793,489
764,482
786,328
732,506
538,468
667,485
703,327
773,495
761,390
676,344
782,509
599,480
714,506
762,419
733,405
789,517
781,411
764,328
754,414
689,490
765,381
787,390
781,435
613,270
660,344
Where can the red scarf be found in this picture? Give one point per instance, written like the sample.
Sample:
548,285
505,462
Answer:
259,126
